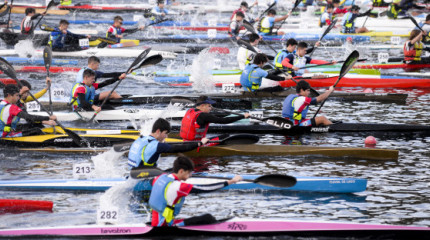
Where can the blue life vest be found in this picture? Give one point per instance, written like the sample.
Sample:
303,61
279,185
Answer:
279,57
90,93
157,200
142,150
288,109
251,77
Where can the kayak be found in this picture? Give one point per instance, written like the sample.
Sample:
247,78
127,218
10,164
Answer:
115,115
21,205
308,184
42,69
39,61
235,227
100,52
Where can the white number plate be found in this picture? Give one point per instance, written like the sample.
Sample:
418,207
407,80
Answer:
107,214
82,170
84,42
228,88
32,106
257,114
59,93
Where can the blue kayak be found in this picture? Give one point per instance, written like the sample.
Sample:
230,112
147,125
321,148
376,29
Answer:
312,184
39,61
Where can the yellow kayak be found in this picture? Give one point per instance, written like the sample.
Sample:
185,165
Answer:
134,41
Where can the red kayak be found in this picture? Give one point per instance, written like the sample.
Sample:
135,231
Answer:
20,205
190,28
90,8
43,69
391,65
7,81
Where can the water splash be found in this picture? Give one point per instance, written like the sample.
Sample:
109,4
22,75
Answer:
107,164
201,68
24,48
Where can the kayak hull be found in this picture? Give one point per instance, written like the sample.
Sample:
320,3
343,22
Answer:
22,205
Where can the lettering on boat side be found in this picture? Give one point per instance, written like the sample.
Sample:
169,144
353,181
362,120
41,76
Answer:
91,53
278,124
117,230
319,129
131,110
63,140
341,181
237,226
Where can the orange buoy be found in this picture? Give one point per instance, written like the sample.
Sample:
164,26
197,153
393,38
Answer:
370,141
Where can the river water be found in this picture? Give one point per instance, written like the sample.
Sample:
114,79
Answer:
397,193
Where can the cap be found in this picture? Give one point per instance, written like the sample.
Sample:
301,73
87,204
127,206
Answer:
355,7
245,4
206,101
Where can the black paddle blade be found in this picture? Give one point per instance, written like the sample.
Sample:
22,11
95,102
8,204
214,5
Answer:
51,4
122,147
329,28
279,122
152,60
8,69
348,64
6,11
296,4
276,180
47,57
140,173
240,139
105,40
248,26
246,45
139,59
415,22
76,138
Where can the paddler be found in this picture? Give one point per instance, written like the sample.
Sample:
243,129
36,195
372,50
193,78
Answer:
338,10
296,106
253,75
413,48
245,56
195,123
169,192
327,17
266,24
348,21
244,7
406,5
290,48
426,27
25,90
299,60
63,40
83,94
394,9
380,3
27,26
158,12
11,114
116,31
236,25
94,64
146,150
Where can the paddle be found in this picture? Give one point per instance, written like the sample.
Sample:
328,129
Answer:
279,122
10,71
137,61
8,18
367,17
271,180
44,27
250,28
50,4
415,22
349,63
324,64
252,49
238,139
6,11
294,7
265,11
329,28
47,59
154,23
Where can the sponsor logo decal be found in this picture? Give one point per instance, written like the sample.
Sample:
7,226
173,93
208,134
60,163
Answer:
319,129
63,140
115,230
237,226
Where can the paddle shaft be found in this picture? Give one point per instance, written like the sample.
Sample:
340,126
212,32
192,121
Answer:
294,8
367,18
324,64
329,28
8,18
46,10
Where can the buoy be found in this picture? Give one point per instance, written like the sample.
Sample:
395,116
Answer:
370,141
368,90
349,39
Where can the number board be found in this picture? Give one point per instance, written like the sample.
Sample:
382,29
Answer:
82,170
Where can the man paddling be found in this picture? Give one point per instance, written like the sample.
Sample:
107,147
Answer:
10,114
296,106
244,9
169,192
116,30
236,25
27,26
266,24
158,12
94,64
146,150
25,96
244,55
83,94
63,40
348,21
195,123
299,60
290,48
414,47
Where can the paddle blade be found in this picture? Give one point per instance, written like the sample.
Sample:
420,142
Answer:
51,4
76,138
276,180
139,173
152,60
415,22
246,45
7,69
240,139
329,28
248,26
122,147
45,27
279,122
139,59
47,57
296,4
348,64
6,11
106,40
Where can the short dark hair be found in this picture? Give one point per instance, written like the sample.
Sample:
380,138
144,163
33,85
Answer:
336,1
25,83
93,59
160,2
428,17
291,42
64,22
161,124
245,4
302,45
29,10
253,37
88,73
302,84
10,89
240,14
117,18
183,163
329,6
271,11
260,58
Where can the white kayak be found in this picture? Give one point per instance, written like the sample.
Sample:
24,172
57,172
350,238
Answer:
115,115
99,52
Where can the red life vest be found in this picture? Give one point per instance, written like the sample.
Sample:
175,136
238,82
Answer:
413,53
190,130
